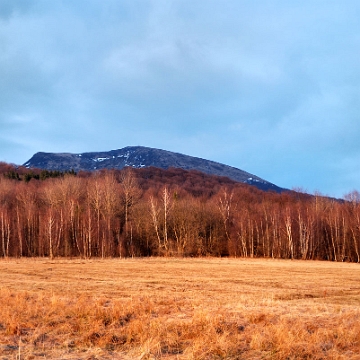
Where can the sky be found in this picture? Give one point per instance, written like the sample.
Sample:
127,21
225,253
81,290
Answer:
268,86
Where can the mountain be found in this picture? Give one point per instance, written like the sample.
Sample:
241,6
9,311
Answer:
139,157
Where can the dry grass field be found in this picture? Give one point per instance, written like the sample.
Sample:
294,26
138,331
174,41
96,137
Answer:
161,308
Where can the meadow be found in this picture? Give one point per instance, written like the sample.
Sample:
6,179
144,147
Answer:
174,308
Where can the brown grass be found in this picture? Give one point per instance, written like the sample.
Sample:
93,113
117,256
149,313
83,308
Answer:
179,309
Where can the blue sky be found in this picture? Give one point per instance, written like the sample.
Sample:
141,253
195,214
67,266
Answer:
270,87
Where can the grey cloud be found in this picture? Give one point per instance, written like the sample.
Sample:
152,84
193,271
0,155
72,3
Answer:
8,8
264,86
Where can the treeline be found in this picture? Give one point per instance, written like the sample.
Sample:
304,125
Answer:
153,212
37,174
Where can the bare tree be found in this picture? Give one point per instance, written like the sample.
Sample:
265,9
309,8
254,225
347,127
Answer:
130,196
166,201
154,211
288,228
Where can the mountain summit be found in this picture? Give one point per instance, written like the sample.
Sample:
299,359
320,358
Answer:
139,157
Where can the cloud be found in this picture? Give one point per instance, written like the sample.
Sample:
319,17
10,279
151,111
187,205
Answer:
9,8
271,87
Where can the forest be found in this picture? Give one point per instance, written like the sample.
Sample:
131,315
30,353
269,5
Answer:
154,212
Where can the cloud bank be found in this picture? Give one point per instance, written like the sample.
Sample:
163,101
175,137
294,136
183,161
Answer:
271,87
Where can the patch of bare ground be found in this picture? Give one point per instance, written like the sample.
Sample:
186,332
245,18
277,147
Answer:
161,308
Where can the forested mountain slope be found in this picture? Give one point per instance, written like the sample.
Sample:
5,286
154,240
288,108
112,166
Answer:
174,212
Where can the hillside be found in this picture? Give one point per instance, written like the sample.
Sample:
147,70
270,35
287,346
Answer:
141,157
173,212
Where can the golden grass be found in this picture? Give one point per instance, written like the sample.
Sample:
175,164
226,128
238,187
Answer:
162,308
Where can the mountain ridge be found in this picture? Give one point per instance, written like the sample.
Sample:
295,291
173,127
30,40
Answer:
139,157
